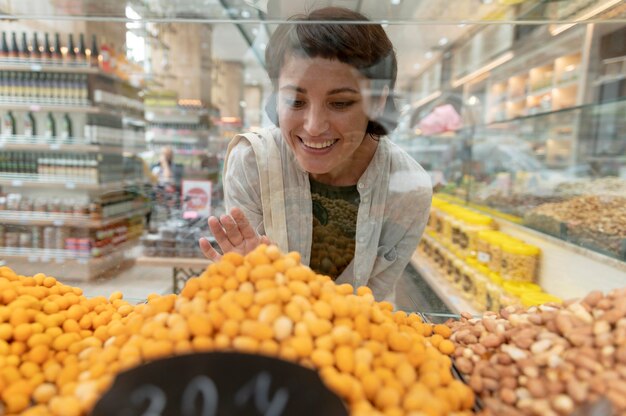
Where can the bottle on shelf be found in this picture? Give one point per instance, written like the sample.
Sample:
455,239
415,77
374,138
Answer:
47,47
24,51
66,128
30,126
71,51
4,51
14,51
95,52
105,53
8,124
56,50
37,50
80,50
51,128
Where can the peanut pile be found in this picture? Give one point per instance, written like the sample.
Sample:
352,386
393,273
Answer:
546,360
60,351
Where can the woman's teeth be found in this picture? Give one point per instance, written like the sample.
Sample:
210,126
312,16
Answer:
318,145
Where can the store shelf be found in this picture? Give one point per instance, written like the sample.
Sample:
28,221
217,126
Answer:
64,108
78,221
30,183
448,294
44,67
77,148
64,262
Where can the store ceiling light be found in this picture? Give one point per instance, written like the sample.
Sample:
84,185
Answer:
443,41
491,65
428,55
132,14
555,30
417,66
396,2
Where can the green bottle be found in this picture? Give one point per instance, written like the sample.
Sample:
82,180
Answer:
30,128
66,128
51,128
8,124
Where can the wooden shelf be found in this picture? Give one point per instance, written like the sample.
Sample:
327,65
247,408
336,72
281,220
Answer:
43,219
449,295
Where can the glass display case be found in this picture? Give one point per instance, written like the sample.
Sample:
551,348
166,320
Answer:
116,122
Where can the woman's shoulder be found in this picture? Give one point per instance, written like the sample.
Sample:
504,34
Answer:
405,168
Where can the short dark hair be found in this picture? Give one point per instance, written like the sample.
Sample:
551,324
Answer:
364,46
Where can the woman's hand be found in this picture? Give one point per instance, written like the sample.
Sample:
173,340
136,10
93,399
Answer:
233,233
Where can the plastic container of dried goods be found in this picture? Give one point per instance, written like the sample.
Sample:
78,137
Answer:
518,289
520,262
497,245
475,224
483,250
538,298
467,281
480,289
493,294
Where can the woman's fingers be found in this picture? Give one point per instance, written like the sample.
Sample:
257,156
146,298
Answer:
208,250
220,235
232,230
247,232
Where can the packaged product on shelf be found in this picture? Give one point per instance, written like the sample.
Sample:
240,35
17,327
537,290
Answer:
475,223
483,252
520,262
518,289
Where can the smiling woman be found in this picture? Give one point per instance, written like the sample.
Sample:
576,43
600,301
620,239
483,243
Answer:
327,182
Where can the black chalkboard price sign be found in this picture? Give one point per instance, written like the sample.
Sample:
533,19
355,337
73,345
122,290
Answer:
219,383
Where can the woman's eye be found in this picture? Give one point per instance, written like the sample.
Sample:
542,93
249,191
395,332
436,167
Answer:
294,103
342,104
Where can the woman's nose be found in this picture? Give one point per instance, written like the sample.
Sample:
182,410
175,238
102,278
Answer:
316,121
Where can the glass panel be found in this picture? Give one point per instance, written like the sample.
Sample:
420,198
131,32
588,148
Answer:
392,11
514,108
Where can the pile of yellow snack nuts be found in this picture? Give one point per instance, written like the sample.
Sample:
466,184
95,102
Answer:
60,351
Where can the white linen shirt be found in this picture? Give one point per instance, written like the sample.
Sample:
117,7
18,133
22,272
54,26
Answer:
395,196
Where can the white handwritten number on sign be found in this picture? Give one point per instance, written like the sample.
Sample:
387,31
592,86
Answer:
154,395
259,388
206,387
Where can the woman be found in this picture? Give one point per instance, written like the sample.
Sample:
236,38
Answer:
326,182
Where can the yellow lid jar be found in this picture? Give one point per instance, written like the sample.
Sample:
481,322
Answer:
520,262
538,298
517,289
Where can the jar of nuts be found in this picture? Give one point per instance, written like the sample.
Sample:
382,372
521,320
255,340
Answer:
518,289
476,223
519,262
538,298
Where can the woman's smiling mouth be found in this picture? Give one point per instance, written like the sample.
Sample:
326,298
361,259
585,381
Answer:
318,145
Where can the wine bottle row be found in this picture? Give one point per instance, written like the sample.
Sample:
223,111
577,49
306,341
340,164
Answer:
90,168
50,52
30,127
44,88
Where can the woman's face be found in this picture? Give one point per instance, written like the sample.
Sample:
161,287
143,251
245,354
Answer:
322,113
